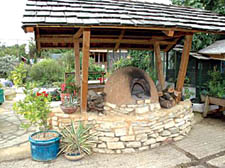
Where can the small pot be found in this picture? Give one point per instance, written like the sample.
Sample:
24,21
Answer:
68,110
74,156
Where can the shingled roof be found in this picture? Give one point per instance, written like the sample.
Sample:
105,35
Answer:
120,13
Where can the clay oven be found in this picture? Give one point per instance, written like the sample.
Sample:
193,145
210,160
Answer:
128,86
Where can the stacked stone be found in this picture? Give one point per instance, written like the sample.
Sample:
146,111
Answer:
127,134
95,102
141,107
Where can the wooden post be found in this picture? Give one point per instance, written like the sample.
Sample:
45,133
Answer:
85,61
159,66
183,65
77,60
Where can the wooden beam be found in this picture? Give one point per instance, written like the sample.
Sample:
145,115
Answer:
170,46
37,38
183,64
77,61
78,33
169,33
29,29
85,62
134,28
118,42
159,66
105,40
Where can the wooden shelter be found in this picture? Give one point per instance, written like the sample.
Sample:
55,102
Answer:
215,50
117,24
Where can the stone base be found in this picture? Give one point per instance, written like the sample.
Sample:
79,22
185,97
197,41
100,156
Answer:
127,134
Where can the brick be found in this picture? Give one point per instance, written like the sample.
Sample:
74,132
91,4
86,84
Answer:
150,141
166,133
142,110
121,132
127,138
108,139
128,150
142,137
133,144
143,148
115,145
169,125
102,145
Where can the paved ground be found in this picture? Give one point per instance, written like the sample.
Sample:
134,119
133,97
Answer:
203,148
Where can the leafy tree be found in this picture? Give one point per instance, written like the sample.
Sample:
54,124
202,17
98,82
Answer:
139,59
202,40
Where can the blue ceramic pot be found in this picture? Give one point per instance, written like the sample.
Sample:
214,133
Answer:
44,150
1,96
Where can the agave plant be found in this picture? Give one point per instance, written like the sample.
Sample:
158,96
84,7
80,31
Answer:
77,140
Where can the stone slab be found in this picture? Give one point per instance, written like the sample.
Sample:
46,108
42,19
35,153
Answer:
162,157
218,162
206,138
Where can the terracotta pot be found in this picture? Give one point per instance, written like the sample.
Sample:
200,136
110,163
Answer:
74,157
68,110
63,95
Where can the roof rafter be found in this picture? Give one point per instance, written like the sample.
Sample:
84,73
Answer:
120,38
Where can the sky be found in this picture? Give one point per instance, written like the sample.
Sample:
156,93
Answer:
11,13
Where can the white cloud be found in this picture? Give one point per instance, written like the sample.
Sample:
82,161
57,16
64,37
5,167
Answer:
11,12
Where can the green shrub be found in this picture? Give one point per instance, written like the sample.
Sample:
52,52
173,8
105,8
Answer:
46,72
19,74
7,64
94,70
216,84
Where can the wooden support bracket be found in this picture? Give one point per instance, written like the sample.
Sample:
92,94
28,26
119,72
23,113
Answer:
159,66
85,62
37,37
77,61
169,33
119,40
78,33
184,64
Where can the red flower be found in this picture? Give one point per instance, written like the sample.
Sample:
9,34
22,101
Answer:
63,86
38,94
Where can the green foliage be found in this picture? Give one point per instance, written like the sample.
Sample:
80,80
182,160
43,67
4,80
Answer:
15,50
46,72
67,60
71,101
1,86
202,40
70,86
139,59
77,139
35,108
187,93
19,74
7,64
94,70
216,84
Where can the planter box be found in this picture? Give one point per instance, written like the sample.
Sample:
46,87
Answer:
214,100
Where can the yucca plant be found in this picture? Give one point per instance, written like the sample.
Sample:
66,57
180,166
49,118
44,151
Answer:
77,140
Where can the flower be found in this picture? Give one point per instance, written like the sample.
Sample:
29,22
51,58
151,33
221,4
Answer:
63,87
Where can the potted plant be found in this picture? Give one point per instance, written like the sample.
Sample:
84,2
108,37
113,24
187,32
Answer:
76,142
1,94
36,108
69,88
70,104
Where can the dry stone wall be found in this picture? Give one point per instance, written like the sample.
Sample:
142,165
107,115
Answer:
130,133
